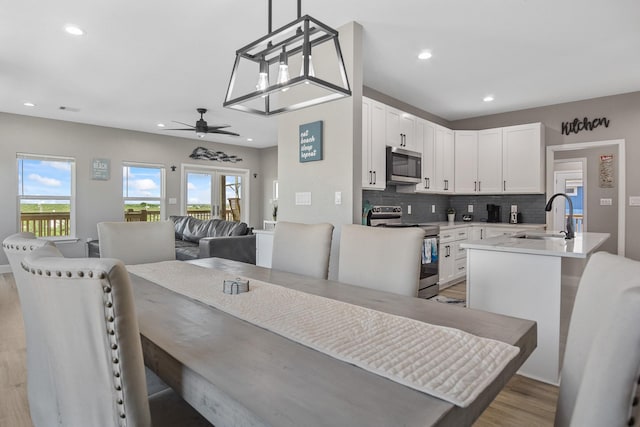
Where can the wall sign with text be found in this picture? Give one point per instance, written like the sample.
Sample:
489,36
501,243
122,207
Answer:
578,125
100,169
310,141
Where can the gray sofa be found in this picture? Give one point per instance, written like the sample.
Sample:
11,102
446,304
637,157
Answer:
196,238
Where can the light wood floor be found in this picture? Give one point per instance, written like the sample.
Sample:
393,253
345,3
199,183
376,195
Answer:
523,402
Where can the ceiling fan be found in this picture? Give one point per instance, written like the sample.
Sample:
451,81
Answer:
201,128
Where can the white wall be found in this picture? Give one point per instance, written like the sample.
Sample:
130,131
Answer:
341,165
269,166
102,200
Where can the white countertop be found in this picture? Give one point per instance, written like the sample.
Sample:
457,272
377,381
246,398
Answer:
579,247
262,231
445,225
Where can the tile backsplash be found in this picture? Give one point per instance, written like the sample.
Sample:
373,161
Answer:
531,206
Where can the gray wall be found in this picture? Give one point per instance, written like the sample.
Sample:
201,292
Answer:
269,167
102,200
340,169
623,111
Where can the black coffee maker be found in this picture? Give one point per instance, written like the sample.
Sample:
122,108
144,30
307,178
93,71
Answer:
493,212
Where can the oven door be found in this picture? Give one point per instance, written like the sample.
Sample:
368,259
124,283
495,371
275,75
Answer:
429,271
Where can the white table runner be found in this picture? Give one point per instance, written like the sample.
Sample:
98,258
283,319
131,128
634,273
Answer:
446,363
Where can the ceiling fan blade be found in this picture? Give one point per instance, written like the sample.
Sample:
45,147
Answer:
186,124
181,129
219,127
224,132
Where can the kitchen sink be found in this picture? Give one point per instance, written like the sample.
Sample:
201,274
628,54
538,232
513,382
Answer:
540,236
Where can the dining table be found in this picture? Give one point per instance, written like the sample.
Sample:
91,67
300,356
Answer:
236,373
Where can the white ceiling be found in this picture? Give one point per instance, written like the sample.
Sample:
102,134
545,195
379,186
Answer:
143,62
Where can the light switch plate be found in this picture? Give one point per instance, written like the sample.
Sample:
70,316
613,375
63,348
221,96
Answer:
173,201
470,208
408,209
303,198
634,201
605,202
338,198
433,208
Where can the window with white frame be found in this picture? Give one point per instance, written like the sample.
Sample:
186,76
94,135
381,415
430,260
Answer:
46,195
143,191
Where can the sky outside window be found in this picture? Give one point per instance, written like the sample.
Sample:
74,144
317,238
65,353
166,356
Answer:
141,182
44,178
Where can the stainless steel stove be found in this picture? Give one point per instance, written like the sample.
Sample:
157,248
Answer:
391,216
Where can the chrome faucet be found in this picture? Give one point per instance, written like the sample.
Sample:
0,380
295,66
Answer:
569,233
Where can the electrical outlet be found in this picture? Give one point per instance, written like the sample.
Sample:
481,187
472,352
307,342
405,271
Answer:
605,202
470,208
433,208
408,209
634,201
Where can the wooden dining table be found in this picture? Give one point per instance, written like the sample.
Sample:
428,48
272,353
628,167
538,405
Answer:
238,374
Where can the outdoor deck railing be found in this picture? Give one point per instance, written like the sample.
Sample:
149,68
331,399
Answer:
54,224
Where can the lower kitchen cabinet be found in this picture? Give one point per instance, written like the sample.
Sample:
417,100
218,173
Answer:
264,247
452,258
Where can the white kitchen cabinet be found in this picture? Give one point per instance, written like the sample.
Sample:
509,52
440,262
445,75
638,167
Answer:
466,161
444,160
264,247
490,161
452,258
478,162
523,159
373,145
426,140
400,129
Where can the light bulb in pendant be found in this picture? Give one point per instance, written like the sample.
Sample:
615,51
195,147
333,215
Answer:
263,77
312,72
283,72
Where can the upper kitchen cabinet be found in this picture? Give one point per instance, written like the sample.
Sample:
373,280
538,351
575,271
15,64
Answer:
426,135
444,161
478,161
523,159
373,145
466,161
401,129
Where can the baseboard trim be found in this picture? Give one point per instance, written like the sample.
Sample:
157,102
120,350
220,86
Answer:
5,269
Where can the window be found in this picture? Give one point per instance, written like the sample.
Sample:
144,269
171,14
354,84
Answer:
46,195
143,192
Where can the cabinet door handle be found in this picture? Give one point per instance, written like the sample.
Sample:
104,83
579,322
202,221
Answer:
481,233
504,185
448,250
475,185
370,177
375,178
446,184
479,183
428,183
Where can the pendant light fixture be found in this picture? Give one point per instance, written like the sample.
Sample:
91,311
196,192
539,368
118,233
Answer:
291,44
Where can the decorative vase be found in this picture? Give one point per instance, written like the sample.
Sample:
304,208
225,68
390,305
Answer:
451,217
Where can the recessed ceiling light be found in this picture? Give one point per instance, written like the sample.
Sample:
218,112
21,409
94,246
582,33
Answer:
424,55
29,104
73,30
249,139
488,98
160,125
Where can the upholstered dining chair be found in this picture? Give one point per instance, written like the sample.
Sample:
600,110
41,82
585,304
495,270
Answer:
88,326
387,259
601,372
302,248
137,242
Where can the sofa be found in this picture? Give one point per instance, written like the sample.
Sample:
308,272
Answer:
196,238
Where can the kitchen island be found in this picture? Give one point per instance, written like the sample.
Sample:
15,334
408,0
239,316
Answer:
523,277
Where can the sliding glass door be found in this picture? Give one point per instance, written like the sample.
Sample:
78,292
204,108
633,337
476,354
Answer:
215,193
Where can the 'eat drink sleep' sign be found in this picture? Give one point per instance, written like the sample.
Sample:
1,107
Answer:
310,142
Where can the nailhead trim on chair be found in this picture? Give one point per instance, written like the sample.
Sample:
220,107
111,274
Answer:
109,318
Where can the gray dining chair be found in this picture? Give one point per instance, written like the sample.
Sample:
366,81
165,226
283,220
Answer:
88,330
137,242
601,371
386,259
302,248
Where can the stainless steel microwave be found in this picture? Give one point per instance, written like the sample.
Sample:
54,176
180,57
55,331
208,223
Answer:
403,166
